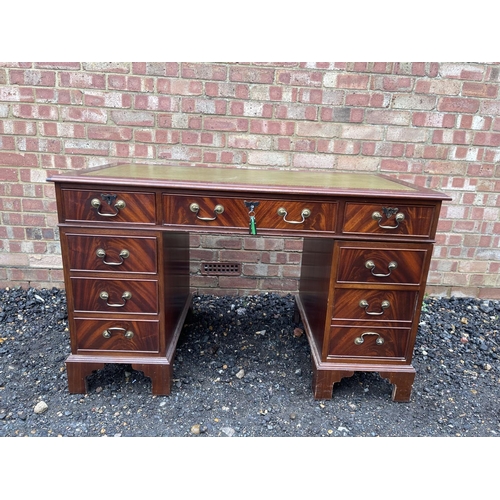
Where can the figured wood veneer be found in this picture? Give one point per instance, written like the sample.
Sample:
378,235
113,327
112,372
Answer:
125,230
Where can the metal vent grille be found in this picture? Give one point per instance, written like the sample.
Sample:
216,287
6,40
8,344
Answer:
217,268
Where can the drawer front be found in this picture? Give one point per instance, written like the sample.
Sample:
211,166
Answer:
205,211
396,265
114,207
370,342
390,220
235,212
117,335
115,296
296,215
374,305
112,253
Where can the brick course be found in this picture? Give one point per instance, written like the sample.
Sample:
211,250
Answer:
436,124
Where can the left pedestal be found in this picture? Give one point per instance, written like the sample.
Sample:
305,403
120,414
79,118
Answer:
128,297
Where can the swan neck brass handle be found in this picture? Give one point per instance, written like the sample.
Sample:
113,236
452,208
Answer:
384,305
304,214
128,334
360,340
389,212
369,264
124,254
119,205
125,296
194,207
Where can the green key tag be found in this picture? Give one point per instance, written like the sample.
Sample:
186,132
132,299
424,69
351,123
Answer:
253,225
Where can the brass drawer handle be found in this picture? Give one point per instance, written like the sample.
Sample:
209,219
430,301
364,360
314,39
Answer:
389,212
369,264
124,254
194,207
107,333
125,296
119,205
305,214
360,340
364,304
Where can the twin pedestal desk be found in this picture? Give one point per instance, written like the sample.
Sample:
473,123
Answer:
124,230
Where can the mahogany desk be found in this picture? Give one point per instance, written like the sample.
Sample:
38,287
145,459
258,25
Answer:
124,233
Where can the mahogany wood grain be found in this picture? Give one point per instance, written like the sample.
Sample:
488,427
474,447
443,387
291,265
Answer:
417,219
82,253
139,206
87,295
89,334
342,342
410,263
236,213
347,305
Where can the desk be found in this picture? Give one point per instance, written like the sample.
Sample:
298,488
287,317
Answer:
124,233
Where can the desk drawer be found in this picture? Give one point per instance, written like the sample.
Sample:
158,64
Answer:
235,212
117,335
368,342
394,264
393,219
115,296
113,207
374,305
111,253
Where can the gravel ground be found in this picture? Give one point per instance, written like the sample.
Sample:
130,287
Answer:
242,370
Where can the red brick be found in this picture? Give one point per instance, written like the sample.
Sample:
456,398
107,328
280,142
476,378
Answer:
299,78
87,147
110,133
82,80
16,127
63,130
226,124
156,103
311,96
7,143
132,118
38,112
347,81
107,99
87,115
251,74
388,117
463,71
180,153
458,105
486,139
18,160
296,112
204,71
474,89
272,127
443,87
32,77
203,106
396,83
429,119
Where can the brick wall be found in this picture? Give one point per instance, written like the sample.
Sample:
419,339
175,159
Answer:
434,124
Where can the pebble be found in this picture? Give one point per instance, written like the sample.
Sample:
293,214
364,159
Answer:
41,407
196,429
240,374
298,332
228,431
